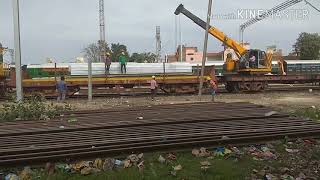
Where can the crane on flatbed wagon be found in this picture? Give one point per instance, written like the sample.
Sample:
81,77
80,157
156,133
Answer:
252,61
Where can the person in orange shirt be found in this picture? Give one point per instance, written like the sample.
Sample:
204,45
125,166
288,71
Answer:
213,88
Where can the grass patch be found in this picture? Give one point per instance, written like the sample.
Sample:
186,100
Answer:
33,108
310,113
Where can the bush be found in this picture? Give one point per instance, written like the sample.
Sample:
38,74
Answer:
33,108
310,113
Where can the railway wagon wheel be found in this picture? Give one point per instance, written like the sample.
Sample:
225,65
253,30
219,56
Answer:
232,87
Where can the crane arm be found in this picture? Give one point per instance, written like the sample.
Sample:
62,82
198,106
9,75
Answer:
240,50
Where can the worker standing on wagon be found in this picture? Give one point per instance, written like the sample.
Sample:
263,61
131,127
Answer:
213,88
62,89
107,63
153,87
123,63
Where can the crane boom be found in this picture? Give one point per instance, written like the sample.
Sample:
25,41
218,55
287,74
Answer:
240,50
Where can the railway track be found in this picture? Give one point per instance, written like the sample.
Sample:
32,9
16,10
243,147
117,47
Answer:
142,129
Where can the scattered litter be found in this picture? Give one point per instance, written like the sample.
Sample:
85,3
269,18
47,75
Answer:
204,152
171,157
141,166
26,174
205,163
98,163
219,152
287,177
50,168
310,90
133,158
108,164
227,151
118,162
271,113
64,167
89,170
140,118
81,165
313,107
12,176
262,153
127,164
161,159
292,150
236,150
61,127
177,168
268,177
140,156
195,152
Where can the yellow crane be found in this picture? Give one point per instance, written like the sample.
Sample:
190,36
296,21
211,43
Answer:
253,61
2,72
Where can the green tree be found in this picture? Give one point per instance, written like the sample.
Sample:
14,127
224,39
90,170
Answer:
116,50
93,50
307,46
146,57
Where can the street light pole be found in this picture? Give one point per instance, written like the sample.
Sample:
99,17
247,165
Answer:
205,49
17,47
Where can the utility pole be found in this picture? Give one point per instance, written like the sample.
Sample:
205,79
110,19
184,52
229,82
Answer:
89,79
17,47
158,44
205,47
175,34
180,38
102,41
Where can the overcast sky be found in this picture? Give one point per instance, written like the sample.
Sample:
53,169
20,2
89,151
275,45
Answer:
60,29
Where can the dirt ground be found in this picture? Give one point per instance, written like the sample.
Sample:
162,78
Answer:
282,101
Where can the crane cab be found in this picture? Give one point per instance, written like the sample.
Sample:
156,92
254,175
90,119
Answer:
254,61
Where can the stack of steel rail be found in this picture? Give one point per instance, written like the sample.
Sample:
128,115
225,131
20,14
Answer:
102,133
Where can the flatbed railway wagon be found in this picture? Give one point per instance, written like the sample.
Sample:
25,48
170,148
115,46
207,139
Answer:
168,83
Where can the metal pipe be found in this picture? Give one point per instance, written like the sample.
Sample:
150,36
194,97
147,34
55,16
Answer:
205,47
17,47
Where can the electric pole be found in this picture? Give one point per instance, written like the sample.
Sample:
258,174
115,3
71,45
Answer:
205,47
17,47
102,41
158,44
